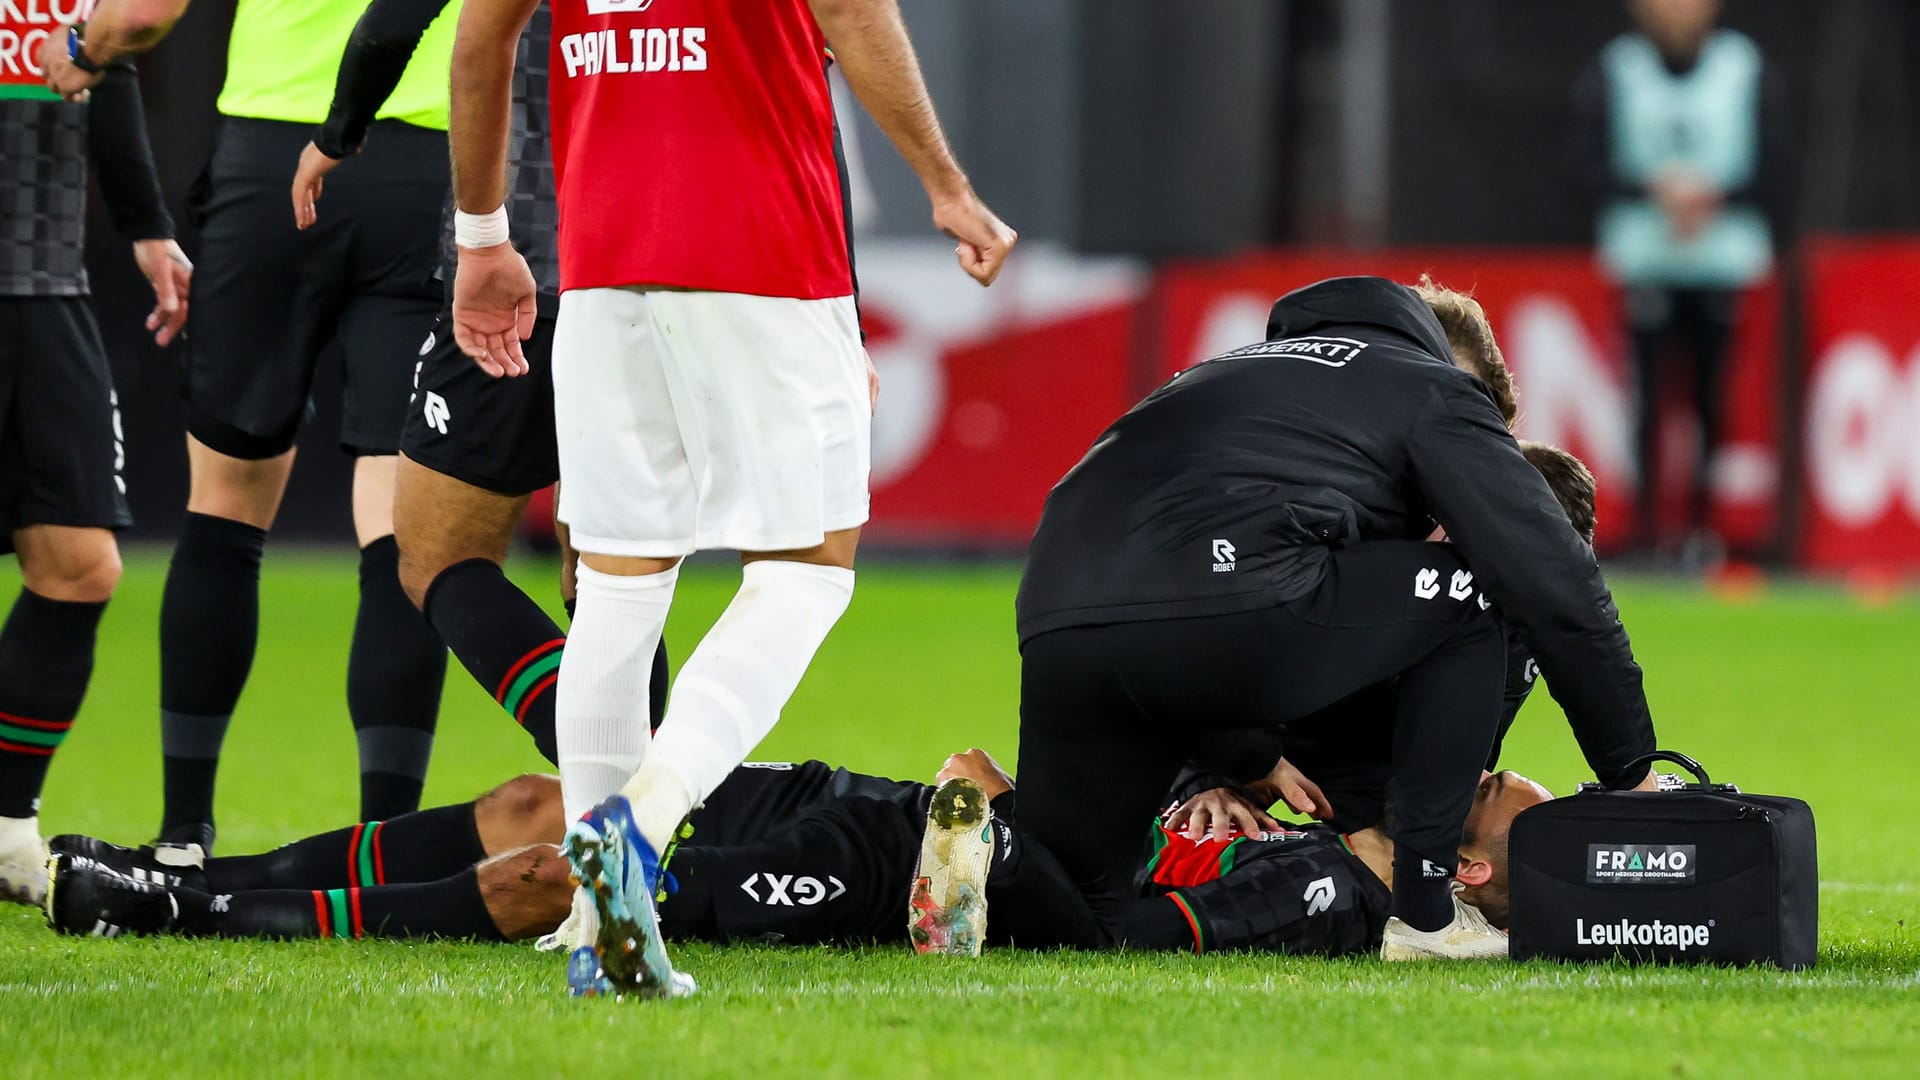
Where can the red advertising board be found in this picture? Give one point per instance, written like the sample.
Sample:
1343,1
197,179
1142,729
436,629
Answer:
1862,429
1020,408
1560,327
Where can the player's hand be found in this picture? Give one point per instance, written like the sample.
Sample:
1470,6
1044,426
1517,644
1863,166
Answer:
171,273
1651,783
1222,812
1288,785
494,308
63,78
983,239
873,385
308,179
978,766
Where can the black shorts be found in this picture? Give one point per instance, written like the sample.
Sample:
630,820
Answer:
61,451
495,434
269,300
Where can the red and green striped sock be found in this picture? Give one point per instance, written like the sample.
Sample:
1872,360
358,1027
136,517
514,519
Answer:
422,846
451,907
46,658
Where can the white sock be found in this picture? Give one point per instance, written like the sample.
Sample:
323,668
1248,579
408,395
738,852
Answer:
600,703
20,834
729,693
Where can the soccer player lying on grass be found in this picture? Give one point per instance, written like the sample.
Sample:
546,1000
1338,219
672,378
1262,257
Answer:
803,853
418,874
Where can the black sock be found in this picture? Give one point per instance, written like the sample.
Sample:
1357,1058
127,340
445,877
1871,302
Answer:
209,625
422,846
505,641
395,671
450,907
1422,890
46,657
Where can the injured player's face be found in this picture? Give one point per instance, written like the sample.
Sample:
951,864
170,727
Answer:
1499,799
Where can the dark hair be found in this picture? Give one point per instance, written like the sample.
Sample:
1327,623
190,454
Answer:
1570,480
1471,337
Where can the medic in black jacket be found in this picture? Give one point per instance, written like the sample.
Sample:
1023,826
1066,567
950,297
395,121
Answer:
1247,541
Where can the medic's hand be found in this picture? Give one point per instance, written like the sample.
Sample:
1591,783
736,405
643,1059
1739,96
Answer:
1286,784
978,766
1222,812
494,307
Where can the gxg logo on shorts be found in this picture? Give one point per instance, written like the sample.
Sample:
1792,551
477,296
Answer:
790,890
1638,864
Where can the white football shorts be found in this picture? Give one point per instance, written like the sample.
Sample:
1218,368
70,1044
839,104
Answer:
691,421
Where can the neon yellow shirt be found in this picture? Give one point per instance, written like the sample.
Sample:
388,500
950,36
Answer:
284,54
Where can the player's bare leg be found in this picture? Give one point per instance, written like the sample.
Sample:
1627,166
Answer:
520,812
441,522
46,658
527,891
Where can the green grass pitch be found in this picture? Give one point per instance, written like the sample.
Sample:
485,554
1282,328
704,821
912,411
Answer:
1803,693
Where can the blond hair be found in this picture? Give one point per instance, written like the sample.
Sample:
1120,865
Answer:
1471,337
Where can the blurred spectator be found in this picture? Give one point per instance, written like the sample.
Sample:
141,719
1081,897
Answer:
1680,128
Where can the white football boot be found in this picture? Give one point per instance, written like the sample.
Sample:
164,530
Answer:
1468,937
947,914
23,861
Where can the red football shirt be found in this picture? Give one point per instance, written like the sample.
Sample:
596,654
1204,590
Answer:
693,147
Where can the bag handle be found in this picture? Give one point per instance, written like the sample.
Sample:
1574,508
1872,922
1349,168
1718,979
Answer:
1698,770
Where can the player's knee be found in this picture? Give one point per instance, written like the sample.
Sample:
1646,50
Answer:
83,570
524,810
417,570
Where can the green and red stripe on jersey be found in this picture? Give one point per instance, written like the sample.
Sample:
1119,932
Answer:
338,913
25,735
1178,861
530,676
365,864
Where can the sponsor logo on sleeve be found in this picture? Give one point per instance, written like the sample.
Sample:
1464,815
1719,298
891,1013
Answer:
1426,584
1639,864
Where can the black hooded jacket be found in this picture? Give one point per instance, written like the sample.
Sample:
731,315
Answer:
1229,488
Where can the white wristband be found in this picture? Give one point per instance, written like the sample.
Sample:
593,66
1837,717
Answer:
480,230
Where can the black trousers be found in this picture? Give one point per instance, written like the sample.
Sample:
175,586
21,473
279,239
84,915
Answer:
1698,324
1108,714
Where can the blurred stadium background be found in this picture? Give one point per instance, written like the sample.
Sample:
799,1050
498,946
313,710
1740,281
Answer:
1171,174
1172,167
